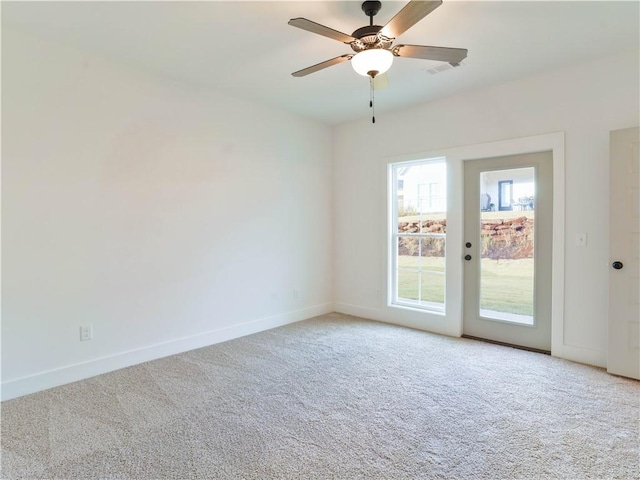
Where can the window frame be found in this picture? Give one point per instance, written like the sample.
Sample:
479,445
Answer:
394,236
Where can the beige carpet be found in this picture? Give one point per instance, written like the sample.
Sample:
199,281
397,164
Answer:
332,397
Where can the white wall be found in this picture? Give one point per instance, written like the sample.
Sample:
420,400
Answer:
166,217
585,102
170,218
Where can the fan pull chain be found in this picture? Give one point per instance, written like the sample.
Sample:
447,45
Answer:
372,97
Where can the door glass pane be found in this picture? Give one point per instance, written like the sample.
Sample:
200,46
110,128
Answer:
507,245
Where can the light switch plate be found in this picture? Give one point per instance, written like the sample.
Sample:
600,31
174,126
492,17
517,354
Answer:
581,240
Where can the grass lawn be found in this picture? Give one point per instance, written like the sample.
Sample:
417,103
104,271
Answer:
506,286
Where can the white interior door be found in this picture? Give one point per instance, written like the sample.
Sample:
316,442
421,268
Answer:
508,211
624,252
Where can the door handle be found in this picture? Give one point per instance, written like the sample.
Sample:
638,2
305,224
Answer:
617,265
467,257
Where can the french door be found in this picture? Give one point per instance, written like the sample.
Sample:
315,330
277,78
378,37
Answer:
507,251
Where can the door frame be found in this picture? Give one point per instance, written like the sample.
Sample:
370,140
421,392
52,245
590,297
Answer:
451,322
476,323
555,143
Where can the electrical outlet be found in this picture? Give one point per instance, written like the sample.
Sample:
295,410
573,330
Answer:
86,333
296,293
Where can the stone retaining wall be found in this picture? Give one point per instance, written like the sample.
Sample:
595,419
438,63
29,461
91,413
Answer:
501,238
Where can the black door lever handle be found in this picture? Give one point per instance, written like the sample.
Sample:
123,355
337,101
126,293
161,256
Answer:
617,265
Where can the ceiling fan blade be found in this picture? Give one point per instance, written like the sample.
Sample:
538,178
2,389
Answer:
443,54
380,81
412,13
321,65
314,27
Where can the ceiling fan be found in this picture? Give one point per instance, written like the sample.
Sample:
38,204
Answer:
373,44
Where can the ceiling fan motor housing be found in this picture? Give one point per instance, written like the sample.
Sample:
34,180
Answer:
368,36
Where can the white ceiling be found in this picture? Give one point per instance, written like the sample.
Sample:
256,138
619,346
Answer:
248,50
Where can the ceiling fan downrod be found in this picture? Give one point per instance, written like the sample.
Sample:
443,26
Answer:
371,9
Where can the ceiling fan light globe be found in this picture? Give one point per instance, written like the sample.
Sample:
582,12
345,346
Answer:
373,60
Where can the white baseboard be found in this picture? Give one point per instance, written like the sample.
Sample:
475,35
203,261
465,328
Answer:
597,358
409,318
358,311
80,371
588,356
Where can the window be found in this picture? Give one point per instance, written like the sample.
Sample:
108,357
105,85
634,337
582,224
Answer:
505,195
418,234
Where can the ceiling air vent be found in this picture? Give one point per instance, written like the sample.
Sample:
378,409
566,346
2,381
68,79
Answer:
440,67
